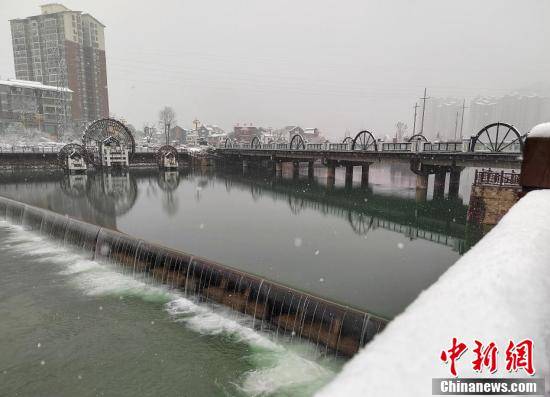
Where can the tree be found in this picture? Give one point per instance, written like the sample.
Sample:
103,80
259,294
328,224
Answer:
167,118
149,132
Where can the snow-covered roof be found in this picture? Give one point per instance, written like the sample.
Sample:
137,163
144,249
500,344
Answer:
540,131
32,84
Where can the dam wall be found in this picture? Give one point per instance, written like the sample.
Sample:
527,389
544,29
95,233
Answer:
339,329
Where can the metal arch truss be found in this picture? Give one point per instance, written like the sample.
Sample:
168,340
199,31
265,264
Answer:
364,140
102,129
68,150
255,143
497,138
165,150
229,143
348,140
418,137
297,142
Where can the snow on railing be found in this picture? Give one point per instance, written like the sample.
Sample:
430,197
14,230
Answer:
497,292
488,177
30,149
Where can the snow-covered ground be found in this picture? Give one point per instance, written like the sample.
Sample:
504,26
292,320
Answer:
499,291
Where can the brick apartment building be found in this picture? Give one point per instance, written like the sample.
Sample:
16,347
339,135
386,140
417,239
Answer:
64,48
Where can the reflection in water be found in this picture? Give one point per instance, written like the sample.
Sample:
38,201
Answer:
168,182
442,221
74,185
112,193
371,247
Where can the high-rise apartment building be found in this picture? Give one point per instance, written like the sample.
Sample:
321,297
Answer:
523,111
64,48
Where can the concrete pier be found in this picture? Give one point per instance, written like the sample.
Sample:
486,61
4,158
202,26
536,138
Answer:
454,182
310,170
365,175
278,168
349,175
331,174
439,183
295,169
421,188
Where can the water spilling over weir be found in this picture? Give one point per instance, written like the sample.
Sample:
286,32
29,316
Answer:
336,328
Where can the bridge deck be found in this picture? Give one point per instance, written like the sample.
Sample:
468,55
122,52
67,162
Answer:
357,157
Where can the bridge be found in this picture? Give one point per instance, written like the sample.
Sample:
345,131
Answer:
497,145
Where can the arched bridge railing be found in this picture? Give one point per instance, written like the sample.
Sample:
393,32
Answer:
497,138
365,141
297,142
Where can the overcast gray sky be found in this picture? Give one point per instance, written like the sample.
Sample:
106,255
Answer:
336,65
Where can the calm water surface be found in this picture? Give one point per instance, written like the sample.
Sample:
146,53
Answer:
75,327
373,248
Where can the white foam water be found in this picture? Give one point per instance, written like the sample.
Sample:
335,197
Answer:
279,367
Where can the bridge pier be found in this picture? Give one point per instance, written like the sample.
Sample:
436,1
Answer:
349,176
246,163
365,175
278,168
439,183
421,188
331,174
310,170
295,169
454,181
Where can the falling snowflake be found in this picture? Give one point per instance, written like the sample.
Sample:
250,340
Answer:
100,307
79,377
316,252
38,345
297,242
400,246
42,362
322,280
152,323
201,226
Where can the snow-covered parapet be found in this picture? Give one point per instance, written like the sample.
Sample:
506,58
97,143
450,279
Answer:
498,292
540,131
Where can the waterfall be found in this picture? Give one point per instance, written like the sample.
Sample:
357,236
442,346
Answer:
339,329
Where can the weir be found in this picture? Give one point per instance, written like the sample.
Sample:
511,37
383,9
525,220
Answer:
339,329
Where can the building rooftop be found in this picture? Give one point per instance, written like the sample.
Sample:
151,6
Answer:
32,84
54,8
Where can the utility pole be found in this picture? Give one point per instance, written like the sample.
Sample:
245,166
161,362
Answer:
456,124
414,121
462,121
423,111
